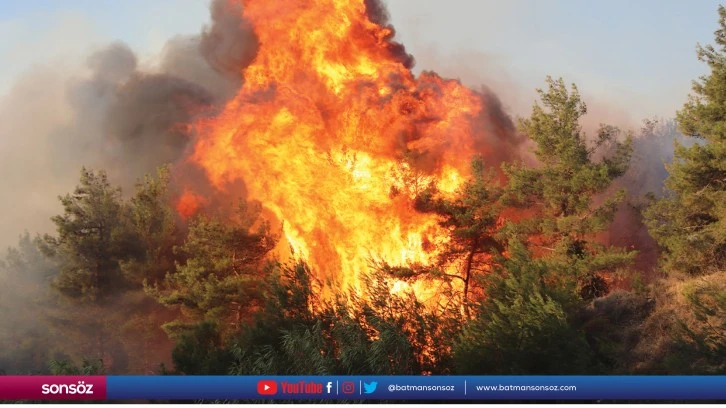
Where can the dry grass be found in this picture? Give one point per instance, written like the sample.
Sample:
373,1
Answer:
686,326
679,326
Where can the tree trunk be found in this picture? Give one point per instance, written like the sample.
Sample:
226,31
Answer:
467,277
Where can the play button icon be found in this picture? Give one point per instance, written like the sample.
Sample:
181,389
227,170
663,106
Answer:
267,387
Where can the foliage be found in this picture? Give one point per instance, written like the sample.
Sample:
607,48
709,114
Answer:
155,229
706,334
67,367
684,332
561,195
220,277
383,334
522,327
25,275
689,223
103,248
472,217
200,351
93,236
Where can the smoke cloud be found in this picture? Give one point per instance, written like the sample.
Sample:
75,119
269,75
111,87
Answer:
653,148
229,44
111,114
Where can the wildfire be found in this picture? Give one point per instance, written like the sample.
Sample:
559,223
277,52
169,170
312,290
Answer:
189,203
334,134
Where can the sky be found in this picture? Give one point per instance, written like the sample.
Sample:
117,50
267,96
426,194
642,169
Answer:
636,57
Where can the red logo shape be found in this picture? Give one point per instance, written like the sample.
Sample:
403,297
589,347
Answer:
348,387
267,387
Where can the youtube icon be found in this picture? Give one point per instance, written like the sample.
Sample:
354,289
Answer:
267,387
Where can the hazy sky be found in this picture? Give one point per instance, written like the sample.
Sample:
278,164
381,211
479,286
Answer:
637,56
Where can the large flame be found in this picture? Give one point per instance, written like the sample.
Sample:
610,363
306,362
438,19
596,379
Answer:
333,133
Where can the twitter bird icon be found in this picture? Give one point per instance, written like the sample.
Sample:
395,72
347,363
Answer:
369,388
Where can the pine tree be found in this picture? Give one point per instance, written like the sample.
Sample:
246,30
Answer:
297,333
219,279
94,237
523,324
690,222
561,194
67,367
154,226
472,218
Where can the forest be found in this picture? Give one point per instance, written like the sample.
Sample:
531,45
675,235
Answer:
587,258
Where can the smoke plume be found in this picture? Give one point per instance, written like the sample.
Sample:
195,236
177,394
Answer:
653,148
113,114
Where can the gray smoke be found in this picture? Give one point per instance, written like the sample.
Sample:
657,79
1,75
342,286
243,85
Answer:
111,114
653,148
229,44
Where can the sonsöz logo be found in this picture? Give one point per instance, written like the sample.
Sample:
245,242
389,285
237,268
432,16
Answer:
67,389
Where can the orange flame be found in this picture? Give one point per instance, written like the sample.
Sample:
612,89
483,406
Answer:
189,204
333,133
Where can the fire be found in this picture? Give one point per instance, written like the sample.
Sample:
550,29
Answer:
189,203
334,134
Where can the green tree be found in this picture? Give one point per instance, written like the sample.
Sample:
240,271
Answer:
689,225
219,279
377,333
690,222
561,195
289,294
67,367
523,325
154,224
201,351
93,237
257,346
705,335
297,333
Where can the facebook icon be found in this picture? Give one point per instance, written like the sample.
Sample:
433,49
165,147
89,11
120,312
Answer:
329,386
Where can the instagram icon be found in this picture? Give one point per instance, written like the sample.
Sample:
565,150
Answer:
348,387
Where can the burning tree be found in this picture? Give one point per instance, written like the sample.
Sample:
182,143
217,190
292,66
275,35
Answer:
328,112
472,218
